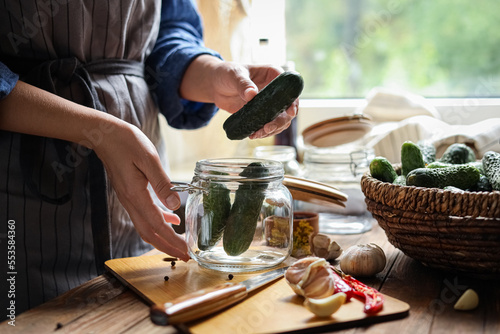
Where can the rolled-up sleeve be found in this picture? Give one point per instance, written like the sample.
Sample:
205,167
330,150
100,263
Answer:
8,80
180,41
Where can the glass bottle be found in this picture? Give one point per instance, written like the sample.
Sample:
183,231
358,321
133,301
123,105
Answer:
239,215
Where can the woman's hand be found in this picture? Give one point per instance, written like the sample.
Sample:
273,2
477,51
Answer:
231,85
131,162
129,157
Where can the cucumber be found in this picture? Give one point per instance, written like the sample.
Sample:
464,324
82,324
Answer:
428,151
438,164
478,165
460,176
271,101
491,166
216,207
244,215
458,154
482,185
411,157
400,180
381,169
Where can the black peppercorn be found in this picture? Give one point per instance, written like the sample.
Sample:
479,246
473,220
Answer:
166,278
230,276
59,325
172,263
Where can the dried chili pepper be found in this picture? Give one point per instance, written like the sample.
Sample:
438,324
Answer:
374,300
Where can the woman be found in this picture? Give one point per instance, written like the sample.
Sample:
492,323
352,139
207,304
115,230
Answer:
81,84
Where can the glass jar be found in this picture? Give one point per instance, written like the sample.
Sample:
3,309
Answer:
287,155
239,215
342,167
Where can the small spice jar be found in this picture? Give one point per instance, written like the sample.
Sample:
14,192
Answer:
227,210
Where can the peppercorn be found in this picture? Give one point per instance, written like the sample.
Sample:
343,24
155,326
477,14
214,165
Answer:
230,276
166,278
172,263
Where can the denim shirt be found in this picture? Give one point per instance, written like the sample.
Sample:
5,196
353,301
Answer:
179,42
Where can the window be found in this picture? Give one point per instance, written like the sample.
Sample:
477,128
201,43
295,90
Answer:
440,48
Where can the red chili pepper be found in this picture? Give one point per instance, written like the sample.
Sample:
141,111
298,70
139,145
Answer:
374,300
343,286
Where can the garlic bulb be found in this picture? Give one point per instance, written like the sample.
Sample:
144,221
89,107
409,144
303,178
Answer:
363,260
311,277
323,247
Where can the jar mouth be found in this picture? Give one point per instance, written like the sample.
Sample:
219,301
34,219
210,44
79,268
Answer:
232,169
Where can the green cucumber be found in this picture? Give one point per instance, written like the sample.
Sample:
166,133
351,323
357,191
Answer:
482,185
439,164
244,215
460,176
428,151
411,157
491,166
381,169
271,101
216,207
400,180
458,153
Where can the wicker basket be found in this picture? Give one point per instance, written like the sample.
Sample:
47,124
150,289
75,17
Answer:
443,229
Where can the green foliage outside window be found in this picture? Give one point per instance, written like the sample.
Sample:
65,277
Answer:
436,48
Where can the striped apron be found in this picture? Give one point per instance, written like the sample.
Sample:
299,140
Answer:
65,215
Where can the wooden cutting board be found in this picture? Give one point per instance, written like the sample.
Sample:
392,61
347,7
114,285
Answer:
274,308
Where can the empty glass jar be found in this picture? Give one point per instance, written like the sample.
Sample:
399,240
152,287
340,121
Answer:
239,215
287,155
341,167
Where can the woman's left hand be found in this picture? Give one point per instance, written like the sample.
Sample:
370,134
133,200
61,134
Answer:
232,85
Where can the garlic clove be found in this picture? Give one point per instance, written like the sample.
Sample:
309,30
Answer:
323,247
325,307
321,243
468,301
334,251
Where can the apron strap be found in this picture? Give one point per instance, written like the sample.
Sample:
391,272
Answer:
56,76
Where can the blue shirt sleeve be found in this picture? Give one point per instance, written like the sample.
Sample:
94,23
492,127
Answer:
8,80
180,41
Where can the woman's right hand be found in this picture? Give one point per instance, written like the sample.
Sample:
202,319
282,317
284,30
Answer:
130,159
132,162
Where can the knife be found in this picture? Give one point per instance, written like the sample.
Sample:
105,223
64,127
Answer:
203,302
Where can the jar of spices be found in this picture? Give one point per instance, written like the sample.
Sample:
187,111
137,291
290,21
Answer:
239,215
342,167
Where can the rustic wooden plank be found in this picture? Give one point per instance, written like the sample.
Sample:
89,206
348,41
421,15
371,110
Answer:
67,307
449,320
145,326
116,316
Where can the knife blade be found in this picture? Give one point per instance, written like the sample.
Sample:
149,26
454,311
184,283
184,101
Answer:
204,302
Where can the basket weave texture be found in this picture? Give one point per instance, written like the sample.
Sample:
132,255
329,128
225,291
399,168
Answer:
443,229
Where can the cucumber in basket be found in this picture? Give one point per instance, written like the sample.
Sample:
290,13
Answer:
460,176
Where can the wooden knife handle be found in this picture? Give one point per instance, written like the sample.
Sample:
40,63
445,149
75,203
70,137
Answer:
197,304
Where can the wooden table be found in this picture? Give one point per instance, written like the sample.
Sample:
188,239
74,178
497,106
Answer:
104,305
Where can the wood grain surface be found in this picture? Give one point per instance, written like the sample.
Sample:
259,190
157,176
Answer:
105,305
274,308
